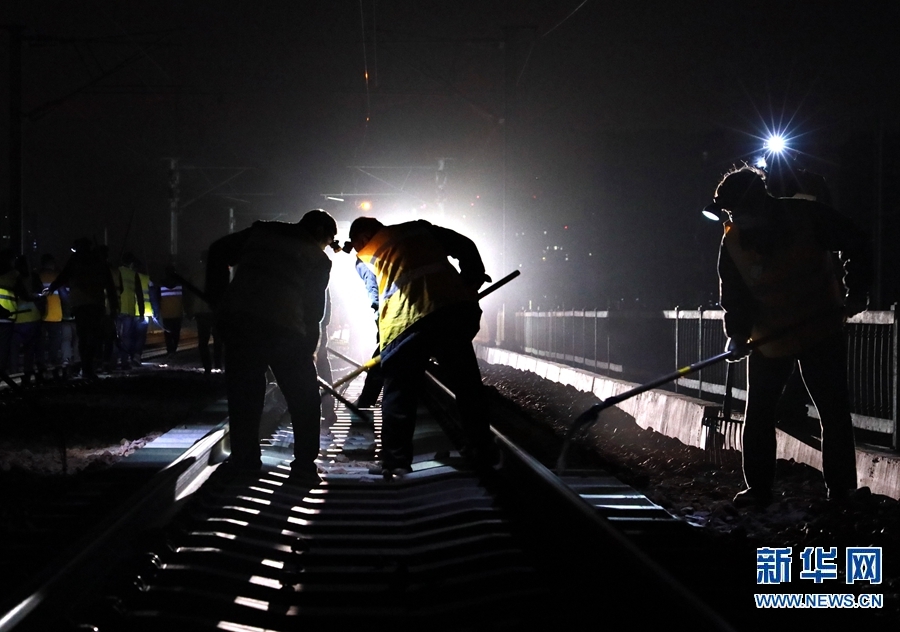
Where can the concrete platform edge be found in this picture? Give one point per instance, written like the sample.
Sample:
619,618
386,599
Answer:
682,417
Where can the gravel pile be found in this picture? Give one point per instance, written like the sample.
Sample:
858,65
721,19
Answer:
683,480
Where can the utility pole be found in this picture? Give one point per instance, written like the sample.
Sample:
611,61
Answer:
15,137
510,36
440,181
173,209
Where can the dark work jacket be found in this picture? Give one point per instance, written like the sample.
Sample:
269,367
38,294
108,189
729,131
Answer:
280,276
799,226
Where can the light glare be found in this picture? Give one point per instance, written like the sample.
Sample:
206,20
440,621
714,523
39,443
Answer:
776,144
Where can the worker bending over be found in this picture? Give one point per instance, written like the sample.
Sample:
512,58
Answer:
269,317
426,309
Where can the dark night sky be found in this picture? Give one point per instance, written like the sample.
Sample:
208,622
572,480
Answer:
624,117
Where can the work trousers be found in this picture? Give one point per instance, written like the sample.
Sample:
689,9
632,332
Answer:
127,326
323,369
89,321
49,345
445,335
253,346
824,371
206,325
6,334
140,339
172,334
69,344
24,345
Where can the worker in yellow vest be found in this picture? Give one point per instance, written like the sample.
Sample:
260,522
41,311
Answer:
778,273
171,309
426,309
131,310
28,322
151,311
8,308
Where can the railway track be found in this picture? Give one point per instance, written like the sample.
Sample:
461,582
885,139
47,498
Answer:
443,547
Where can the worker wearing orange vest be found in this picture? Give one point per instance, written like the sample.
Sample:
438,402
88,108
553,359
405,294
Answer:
171,308
92,292
777,274
50,340
426,309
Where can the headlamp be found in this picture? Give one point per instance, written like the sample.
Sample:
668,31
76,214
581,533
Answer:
348,247
714,211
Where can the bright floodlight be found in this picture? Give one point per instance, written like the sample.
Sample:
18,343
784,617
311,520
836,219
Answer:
776,144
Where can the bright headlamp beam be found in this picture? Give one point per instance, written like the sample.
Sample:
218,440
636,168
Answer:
775,144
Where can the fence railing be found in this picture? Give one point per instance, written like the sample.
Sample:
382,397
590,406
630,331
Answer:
638,346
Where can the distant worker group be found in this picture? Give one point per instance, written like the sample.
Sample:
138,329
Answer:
84,318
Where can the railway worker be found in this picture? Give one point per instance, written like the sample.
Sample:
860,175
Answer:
131,310
109,343
778,272
8,308
374,379
196,307
269,317
91,292
171,309
426,309
50,341
29,314
323,370
151,310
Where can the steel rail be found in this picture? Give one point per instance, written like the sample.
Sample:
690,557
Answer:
151,505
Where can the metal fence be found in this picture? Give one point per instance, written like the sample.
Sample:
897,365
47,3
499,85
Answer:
638,346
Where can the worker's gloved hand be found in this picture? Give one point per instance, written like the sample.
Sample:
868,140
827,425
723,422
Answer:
855,304
737,348
476,282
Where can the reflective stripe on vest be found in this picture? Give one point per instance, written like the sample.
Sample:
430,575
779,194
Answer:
28,313
414,276
8,302
170,302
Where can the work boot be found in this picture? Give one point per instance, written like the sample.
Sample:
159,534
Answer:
389,471
841,495
752,497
